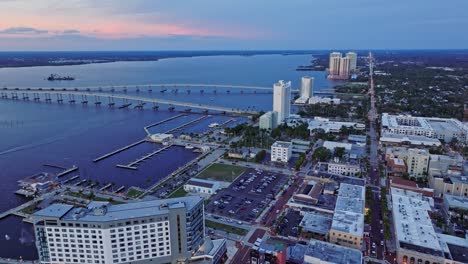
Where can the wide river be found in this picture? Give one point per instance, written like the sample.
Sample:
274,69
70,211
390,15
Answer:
34,134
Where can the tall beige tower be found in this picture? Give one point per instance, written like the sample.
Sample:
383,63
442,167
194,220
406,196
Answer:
344,68
334,65
352,56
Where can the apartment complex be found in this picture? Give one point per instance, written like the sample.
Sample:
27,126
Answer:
431,127
341,67
157,231
418,162
347,227
281,151
268,121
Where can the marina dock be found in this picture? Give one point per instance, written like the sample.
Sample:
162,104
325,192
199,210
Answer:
186,124
71,179
131,165
105,156
161,122
54,166
63,173
106,187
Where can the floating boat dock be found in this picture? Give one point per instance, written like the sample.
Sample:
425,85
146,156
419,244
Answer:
71,179
63,173
105,156
106,187
131,165
161,122
54,166
186,124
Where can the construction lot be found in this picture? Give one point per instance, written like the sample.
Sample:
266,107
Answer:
247,196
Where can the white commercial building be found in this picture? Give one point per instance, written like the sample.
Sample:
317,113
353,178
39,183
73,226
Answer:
347,227
352,56
282,100
431,127
344,169
418,162
415,236
161,138
332,126
307,86
268,120
324,100
195,185
401,139
331,145
281,151
158,231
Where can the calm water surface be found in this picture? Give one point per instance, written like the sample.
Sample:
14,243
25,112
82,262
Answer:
33,134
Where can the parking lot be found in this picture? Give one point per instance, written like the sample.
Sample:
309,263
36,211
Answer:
248,195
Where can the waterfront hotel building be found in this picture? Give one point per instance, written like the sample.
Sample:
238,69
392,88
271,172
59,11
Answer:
156,231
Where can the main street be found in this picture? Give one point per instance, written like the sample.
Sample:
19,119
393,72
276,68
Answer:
376,233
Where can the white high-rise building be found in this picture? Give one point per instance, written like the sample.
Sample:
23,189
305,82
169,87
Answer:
352,60
282,100
344,68
307,87
334,66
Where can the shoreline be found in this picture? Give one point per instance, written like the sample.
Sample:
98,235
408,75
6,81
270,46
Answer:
98,59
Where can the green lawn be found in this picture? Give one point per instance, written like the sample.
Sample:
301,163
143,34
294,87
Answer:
226,228
221,172
178,193
133,193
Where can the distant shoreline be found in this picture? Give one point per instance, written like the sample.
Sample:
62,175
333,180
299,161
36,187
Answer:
41,59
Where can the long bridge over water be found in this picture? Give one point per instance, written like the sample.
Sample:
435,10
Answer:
99,97
110,93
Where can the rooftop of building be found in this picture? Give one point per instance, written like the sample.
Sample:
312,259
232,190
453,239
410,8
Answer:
357,138
456,201
109,212
417,151
455,247
315,222
446,125
398,162
282,144
269,245
348,222
413,226
458,179
396,151
351,191
412,139
404,121
334,144
333,253
200,183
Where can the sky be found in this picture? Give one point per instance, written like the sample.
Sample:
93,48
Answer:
37,25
